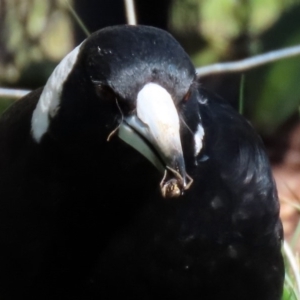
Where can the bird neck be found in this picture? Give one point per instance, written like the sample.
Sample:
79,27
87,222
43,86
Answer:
50,98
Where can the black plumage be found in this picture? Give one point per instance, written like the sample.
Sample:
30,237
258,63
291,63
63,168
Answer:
84,218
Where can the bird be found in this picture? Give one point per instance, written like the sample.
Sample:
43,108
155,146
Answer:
124,177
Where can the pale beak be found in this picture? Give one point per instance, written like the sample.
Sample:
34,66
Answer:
154,131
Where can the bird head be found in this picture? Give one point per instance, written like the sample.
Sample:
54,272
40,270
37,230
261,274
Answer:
148,79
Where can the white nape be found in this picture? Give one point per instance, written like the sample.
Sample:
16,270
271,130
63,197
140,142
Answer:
48,104
198,138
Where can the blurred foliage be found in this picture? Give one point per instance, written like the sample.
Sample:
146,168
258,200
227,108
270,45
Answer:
226,30
280,95
32,33
220,22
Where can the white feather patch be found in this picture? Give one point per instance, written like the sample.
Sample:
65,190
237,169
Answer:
198,138
48,104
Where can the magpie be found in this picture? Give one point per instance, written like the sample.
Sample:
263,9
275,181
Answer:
124,177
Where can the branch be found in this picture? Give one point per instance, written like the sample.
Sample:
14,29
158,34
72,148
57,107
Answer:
242,65
248,63
77,19
130,12
13,93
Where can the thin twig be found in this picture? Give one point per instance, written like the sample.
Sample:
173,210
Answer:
292,261
241,97
248,63
295,238
78,19
12,93
130,12
291,203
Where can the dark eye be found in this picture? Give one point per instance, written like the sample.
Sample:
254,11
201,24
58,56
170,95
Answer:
104,91
187,96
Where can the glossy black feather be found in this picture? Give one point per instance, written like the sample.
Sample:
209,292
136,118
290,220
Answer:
221,240
60,203
83,218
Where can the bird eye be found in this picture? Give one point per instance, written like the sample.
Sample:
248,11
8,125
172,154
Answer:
104,91
187,96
